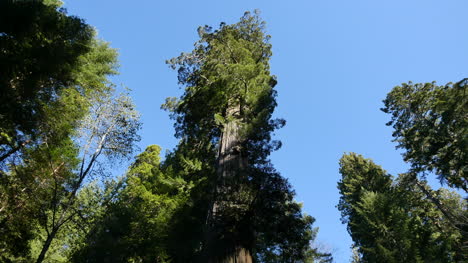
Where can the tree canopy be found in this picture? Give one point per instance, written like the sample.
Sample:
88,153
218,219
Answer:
203,203
393,220
216,197
430,122
59,114
40,51
226,111
404,220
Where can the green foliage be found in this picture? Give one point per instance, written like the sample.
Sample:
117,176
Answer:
229,66
275,209
91,200
58,114
109,129
137,223
430,122
228,84
394,221
40,50
404,220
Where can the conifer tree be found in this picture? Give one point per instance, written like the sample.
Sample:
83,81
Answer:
226,113
393,220
430,123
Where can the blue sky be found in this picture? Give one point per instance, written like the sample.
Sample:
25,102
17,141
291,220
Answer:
335,62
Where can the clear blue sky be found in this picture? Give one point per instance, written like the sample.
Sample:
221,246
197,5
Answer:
335,62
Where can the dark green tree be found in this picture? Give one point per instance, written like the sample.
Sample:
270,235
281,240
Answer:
59,117
45,166
225,117
136,224
431,124
394,221
40,47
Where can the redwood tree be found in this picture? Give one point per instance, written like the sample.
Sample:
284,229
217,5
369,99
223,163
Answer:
225,115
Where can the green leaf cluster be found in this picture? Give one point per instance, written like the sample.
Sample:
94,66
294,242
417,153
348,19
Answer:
55,75
393,220
40,50
136,224
228,84
431,123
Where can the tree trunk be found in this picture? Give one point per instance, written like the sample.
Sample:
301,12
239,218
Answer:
239,255
46,245
232,162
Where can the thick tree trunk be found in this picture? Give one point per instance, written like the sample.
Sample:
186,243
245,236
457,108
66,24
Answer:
231,165
239,255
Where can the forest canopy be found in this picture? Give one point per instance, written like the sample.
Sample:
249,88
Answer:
65,125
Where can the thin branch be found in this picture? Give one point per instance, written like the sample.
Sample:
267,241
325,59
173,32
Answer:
14,149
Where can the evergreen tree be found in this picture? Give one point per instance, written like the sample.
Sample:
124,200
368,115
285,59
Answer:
216,197
405,220
225,116
136,224
430,122
394,221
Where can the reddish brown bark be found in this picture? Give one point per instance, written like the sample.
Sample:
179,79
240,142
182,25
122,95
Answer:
231,164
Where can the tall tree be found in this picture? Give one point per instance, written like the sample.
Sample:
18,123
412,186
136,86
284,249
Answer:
394,221
59,117
136,224
109,129
431,123
226,112
40,47
42,164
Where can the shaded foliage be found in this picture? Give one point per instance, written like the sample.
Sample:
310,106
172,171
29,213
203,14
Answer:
431,123
394,221
40,49
55,77
229,94
61,122
136,224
